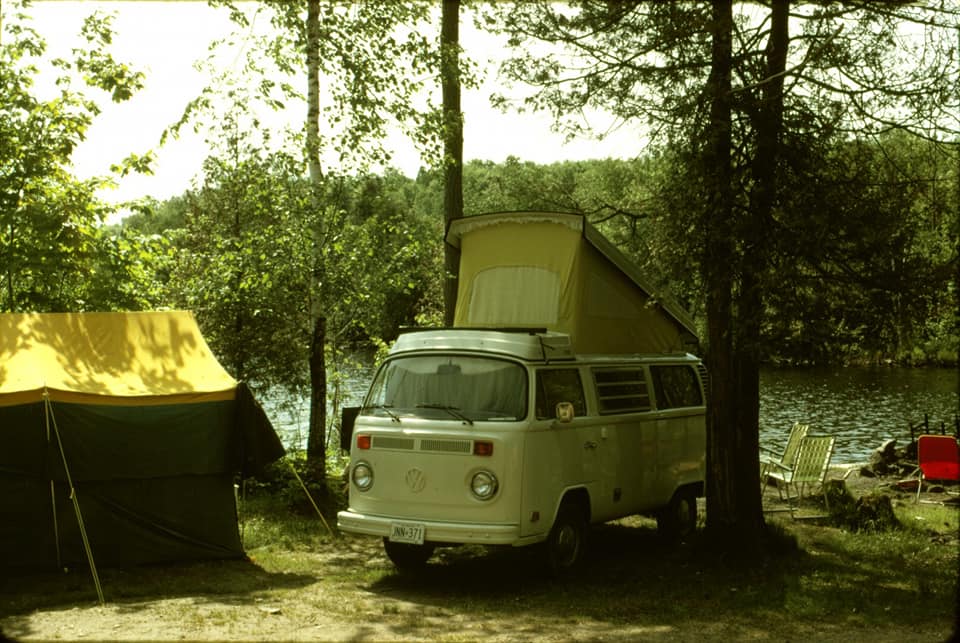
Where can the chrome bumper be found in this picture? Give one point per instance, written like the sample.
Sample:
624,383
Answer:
435,531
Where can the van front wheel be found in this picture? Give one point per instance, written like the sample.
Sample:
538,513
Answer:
678,520
564,545
408,557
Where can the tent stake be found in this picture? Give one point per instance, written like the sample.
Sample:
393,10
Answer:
76,501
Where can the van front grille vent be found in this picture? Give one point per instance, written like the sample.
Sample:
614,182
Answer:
410,444
388,442
447,446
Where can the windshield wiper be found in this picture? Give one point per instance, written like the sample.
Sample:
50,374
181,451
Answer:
386,409
452,410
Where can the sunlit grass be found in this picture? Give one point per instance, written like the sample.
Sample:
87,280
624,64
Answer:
906,574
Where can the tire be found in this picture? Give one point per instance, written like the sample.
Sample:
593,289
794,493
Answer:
408,558
678,519
564,546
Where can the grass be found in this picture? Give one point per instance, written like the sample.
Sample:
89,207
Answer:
834,584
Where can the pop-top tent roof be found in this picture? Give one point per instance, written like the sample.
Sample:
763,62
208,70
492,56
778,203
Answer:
556,271
128,421
109,358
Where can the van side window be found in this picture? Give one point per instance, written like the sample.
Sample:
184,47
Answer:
621,390
559,385
676,386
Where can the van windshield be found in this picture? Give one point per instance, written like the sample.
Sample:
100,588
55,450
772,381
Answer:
449,386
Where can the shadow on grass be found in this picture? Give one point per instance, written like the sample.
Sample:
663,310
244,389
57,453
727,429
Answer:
633,585
22,591
629,575
905,576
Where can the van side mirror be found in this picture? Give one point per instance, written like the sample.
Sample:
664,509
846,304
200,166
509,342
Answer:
565,412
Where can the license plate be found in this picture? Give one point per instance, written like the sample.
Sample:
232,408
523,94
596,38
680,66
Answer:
407,532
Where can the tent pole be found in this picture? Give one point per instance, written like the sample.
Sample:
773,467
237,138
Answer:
242,509
53,492
310,498
56,530
76,501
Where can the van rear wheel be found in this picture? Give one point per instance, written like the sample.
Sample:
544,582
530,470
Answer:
408,557
678,519
564,546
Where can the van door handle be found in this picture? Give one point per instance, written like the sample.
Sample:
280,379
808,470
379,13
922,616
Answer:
589,444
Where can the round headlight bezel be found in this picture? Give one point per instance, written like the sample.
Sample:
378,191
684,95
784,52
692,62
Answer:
484,485
361,474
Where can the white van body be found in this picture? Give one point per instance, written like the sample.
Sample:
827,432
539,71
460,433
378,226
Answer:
506,437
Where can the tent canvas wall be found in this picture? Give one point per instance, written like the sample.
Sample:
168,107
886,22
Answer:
556,271
137,413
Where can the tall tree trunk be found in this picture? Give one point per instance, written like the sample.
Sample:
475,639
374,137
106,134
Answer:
956,290
750,308
719,257
316,438
316,435
735,306
452,147
313,91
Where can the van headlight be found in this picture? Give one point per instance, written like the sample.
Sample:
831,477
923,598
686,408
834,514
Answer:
484,485
362,476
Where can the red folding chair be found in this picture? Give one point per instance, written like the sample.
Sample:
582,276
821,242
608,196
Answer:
938,458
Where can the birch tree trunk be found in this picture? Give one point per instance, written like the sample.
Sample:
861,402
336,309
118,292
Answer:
452,148
316,436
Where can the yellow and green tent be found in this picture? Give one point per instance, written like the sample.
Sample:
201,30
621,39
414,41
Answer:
121,438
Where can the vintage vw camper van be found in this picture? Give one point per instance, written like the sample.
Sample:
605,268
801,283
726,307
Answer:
565,394
509,438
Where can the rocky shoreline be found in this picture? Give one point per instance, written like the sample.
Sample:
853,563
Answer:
888,461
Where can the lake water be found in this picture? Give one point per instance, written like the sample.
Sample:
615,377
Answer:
862,407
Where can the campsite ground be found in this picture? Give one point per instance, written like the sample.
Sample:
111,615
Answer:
300,584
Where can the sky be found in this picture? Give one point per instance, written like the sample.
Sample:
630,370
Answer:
164,39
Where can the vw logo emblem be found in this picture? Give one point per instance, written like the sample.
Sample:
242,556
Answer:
416,480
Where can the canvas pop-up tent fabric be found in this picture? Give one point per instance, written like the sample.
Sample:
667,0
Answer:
131,416
556,271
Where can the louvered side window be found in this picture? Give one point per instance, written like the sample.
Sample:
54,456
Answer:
621,390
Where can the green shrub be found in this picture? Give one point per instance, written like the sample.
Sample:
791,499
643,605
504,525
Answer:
292,484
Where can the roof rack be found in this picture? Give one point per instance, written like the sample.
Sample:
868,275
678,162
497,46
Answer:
500,329
526,343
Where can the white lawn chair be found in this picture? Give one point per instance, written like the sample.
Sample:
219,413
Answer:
809,468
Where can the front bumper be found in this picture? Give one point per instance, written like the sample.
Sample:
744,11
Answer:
435,531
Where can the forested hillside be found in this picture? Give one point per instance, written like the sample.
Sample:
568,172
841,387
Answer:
866,273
